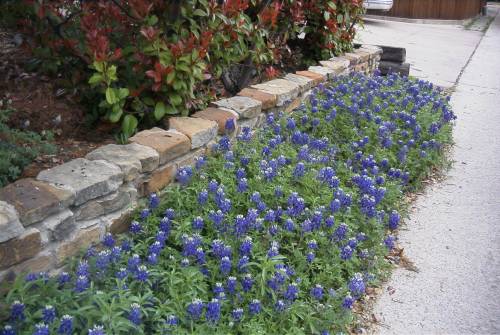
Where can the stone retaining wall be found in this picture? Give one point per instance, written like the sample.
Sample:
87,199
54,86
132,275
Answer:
66,208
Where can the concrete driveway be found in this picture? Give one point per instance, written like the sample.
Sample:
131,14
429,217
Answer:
436,52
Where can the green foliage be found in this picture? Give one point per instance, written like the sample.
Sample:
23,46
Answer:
18,148
343,118
145,59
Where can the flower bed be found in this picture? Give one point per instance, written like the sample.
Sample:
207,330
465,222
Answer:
277,233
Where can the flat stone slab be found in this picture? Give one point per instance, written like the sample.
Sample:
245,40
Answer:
339,65
10,226
372,49
86,179
18,249
199,131
317,77
353,58
106,204
168,144
304,82
325,71
268,100
245,107
284,90
221,116
130,158
60,225
35,200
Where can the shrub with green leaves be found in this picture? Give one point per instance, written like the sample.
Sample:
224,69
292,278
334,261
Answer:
147,59
279,232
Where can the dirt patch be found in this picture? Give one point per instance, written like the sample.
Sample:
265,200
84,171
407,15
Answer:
41,106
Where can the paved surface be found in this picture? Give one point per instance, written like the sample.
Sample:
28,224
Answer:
436,52
453,234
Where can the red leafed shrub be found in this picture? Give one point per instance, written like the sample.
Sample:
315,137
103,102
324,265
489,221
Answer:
146,59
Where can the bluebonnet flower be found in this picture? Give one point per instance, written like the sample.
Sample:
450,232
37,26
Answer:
152,259
347,302
184,174
254,307
225,265
126,245
242,263
289,225
83,268
172,320
199,162
310,257
145,213
63,278
300,170
121,273
108,240
154,200
317,292
246,246
133,262
195,309
142,273
247,282
340,232
237,314
242,185
279,306
184,262
213,186
81,284
17,311
66,325
97,330
135,227
389,242
134,314
292,292
230,125
202,197
213,311
394,220
312,244
346,252
8,330
198,223
357,285
48,314
41,329
231,284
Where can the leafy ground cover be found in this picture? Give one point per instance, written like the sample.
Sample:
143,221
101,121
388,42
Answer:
279,232
19,147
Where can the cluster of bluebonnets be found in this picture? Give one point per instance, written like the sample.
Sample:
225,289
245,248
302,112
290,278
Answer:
278,232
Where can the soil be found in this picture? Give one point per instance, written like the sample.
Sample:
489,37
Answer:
42,107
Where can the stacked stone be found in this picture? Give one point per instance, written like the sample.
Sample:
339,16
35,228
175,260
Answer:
67,208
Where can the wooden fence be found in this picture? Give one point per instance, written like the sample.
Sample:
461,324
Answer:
436,9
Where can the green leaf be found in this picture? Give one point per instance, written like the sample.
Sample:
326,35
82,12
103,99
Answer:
95,79
326,16
111,97
175,99
340,18
129,124
99,66
116,113
160,110
123,93
170,77
332,5
182,67
199,12
172,110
